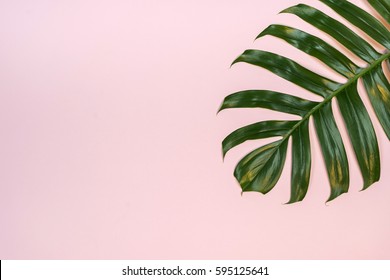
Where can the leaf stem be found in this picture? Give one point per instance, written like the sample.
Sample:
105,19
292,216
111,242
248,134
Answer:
335,93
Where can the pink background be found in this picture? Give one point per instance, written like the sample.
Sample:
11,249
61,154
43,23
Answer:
110,145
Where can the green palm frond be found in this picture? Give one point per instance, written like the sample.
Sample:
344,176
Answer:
260,169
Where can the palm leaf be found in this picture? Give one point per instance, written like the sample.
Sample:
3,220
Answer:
260,169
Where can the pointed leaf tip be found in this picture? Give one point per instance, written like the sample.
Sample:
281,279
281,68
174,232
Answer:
335,193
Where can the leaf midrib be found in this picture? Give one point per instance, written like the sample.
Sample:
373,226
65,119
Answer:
316,108
364,71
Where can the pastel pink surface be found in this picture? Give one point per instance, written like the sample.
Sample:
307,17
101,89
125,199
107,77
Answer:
110,145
